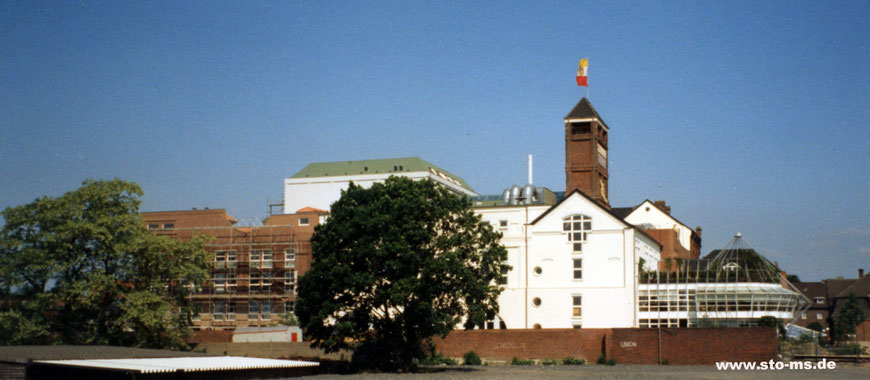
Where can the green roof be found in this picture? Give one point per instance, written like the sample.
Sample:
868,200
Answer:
382,166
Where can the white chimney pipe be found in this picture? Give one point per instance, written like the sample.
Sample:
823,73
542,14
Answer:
530,169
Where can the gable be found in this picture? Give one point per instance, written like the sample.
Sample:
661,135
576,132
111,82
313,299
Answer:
648,212
578,203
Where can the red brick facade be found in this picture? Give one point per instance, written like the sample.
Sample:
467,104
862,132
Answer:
637,346
255,269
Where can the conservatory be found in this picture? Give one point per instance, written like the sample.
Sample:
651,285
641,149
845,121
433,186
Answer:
731,287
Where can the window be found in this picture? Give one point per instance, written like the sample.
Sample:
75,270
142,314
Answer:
232,258
803,315
503,280
260,310
168,226
303,221
224,311
580,129
577,308
266,310
152,227
289,281
289,254
224,282
288,307
819,316
502,225
260,282
220,282
820,300
577,227
578,269
261,258
225,259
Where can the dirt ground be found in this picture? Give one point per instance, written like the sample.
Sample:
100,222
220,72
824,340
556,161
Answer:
625,371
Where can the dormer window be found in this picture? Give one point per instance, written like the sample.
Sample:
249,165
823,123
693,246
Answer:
731,266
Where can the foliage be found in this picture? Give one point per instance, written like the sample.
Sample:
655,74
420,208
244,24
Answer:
851,315
573,361
471,358
641,268
518,361
816,326
289,319
604,360
82,269
395,265
793,278
768,321
771,321
850,349
438,359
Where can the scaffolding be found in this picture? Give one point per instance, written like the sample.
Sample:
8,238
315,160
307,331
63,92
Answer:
252,278
732,287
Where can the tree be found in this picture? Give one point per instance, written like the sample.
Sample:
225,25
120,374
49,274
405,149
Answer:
395,265
82,269
793,278
849,318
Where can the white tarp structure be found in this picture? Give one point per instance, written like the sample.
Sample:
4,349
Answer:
187,364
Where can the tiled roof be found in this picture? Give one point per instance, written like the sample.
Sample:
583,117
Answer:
812,289
861,288
837,286
311,209
622,212
584,110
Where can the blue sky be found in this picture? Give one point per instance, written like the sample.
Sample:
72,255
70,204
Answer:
744,116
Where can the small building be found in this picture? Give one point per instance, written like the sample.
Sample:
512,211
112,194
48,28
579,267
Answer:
267,334
679,242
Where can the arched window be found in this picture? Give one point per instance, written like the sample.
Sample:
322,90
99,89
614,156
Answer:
577,226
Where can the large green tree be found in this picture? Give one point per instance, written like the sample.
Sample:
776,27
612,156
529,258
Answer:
395,265
82,269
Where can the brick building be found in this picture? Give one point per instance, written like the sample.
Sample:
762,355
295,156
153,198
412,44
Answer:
252,279
828,298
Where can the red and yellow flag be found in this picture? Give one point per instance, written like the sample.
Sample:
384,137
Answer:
582,73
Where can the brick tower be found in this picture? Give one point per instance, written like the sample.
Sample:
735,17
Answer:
586,152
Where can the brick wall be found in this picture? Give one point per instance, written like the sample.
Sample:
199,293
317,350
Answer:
211,336
525,344
638,346
274,350
693,345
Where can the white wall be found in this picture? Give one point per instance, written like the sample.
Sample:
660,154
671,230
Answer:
321,192
609,261
647,213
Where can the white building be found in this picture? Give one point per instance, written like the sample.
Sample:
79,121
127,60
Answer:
320,184
574,264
